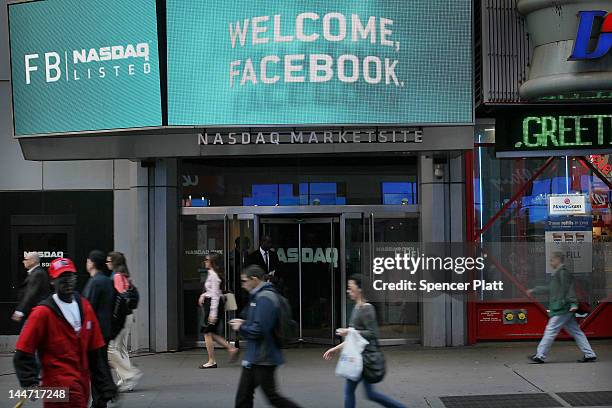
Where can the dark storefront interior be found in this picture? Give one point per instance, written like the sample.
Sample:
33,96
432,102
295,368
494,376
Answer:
56,223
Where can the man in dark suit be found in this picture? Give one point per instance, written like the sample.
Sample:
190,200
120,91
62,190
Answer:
264,257
100,293
267,259
35,287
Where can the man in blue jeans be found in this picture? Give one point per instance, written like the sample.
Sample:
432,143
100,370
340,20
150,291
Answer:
263,353
562,306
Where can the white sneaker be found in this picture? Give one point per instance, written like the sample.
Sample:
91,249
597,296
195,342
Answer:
130,384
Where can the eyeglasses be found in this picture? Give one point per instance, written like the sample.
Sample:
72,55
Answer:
244,280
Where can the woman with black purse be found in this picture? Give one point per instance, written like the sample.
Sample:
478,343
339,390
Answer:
363,320
211,301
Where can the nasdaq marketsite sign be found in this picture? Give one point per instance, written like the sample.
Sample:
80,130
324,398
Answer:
83,65
551,134
299,62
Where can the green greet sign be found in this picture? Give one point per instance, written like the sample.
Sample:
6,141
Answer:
84,65
549,134
304,62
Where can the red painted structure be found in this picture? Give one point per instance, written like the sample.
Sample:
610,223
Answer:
486,319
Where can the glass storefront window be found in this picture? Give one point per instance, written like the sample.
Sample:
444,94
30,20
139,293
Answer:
304,181
521,239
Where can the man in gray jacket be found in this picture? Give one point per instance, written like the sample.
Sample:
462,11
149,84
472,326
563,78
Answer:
35,287
562,304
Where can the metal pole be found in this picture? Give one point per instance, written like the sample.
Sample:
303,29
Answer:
300,275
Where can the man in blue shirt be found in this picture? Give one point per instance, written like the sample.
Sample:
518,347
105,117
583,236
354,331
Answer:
263,353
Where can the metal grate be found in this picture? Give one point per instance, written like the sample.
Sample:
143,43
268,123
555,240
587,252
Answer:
587,399
505,51
501,401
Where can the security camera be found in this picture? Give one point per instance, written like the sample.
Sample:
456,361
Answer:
439,171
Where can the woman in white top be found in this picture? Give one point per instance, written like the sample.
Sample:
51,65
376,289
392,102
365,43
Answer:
212,303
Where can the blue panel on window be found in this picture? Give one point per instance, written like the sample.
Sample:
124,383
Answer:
538,213
265,194
541,187
559,185
285,190
585,183
289,201
199,202
397,187
247,201
395,192
323,188
303,189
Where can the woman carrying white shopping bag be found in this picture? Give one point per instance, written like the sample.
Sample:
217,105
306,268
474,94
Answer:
362,325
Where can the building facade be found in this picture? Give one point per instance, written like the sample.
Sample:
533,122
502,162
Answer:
331,170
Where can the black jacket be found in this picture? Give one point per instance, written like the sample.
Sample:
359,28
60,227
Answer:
255,258
278,278
34,289
100,292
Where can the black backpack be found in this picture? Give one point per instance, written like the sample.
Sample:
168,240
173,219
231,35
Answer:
125,304
120,313
286,329
132,297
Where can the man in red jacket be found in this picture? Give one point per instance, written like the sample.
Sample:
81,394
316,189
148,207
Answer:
64,330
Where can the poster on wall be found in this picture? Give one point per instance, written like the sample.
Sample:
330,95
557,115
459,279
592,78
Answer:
84,65
566,204
288,62
572,236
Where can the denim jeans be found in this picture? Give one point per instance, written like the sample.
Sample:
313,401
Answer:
371,393
554,326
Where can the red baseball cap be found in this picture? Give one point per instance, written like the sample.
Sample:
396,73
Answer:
59,266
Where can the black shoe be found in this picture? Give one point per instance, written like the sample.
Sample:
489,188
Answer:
587,359
535,360
205,367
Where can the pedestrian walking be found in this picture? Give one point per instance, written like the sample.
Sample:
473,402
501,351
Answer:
363,320
562,306
211,301
263,354
119,357
35,287
65,330
100,293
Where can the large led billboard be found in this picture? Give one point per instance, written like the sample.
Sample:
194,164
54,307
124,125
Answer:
304,62
83,65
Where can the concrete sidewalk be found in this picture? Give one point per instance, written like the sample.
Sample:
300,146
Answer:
416,376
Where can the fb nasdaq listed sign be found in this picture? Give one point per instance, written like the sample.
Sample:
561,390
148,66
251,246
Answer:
80,65
585,33
288,62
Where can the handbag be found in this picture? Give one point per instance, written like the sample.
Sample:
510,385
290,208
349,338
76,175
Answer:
374,365
230,302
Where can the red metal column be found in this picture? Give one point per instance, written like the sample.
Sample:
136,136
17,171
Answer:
470,212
